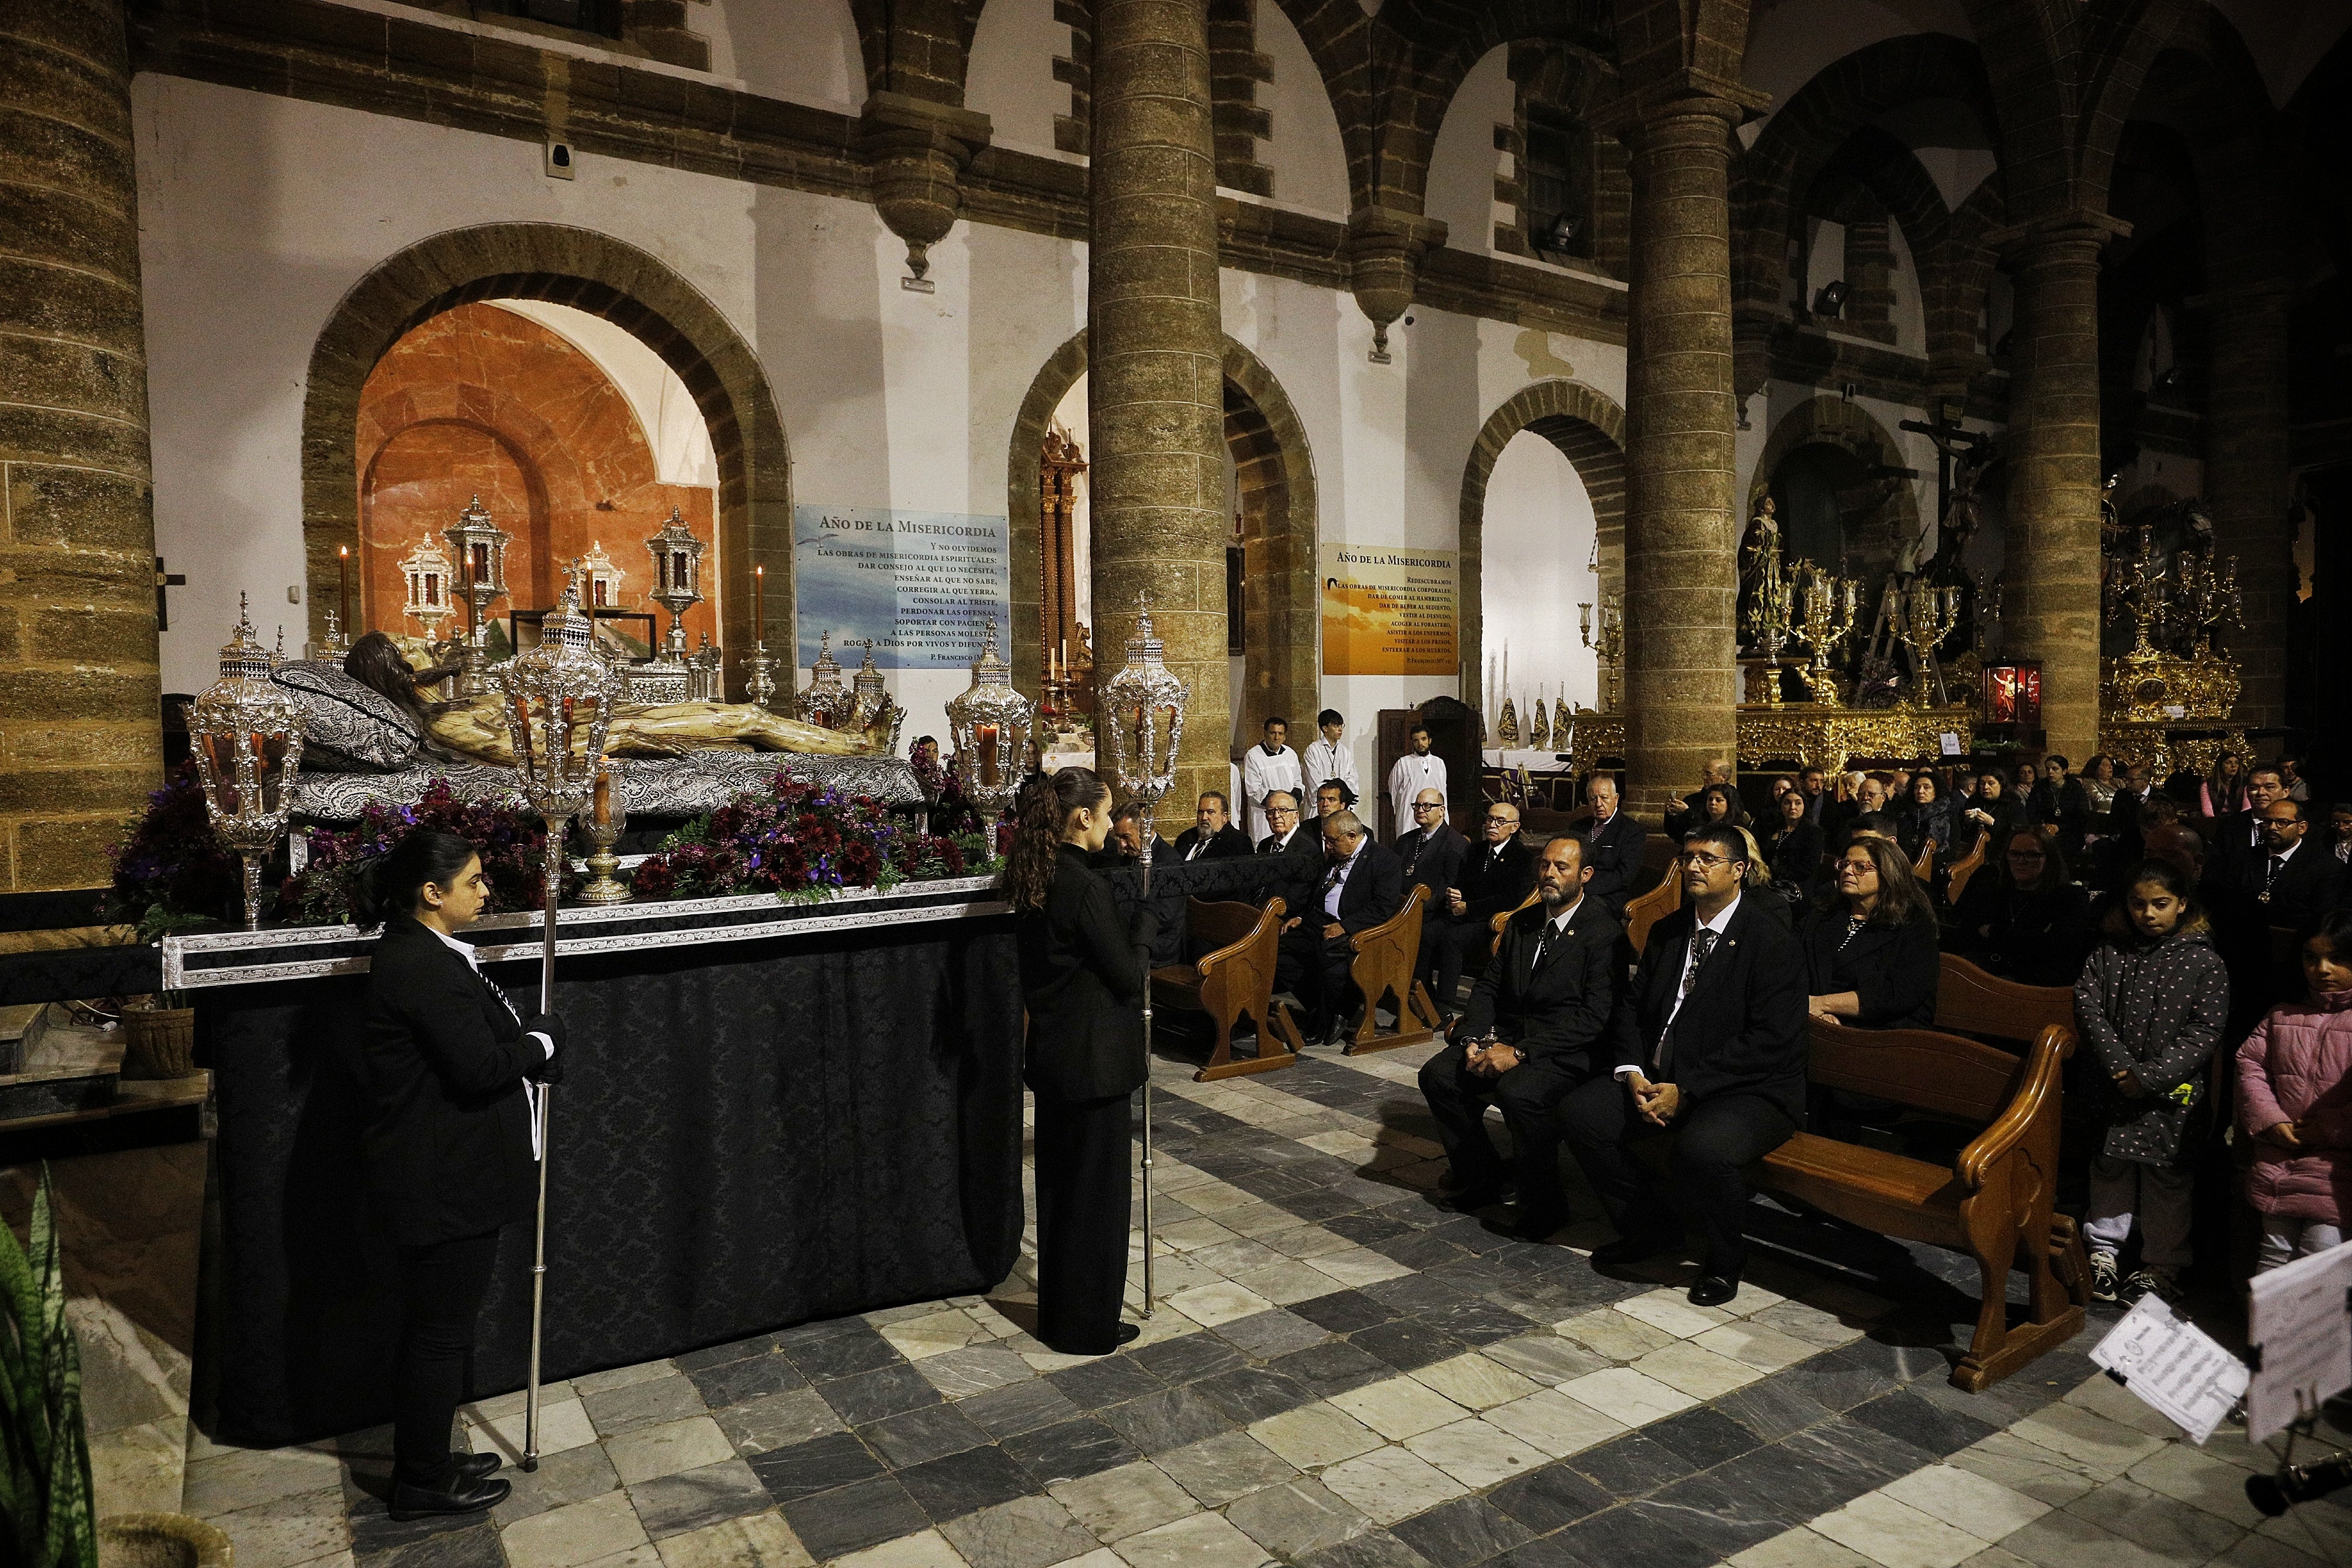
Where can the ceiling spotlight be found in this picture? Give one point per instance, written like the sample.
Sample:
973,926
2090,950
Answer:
1560,235
1832,297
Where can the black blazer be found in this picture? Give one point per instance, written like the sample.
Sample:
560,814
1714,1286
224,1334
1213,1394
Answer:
1491,885
1742,1028
1613,851
1796,855
1433,858
1082,977
1561,1011
1305,856
2033,938
442,1062
1228,843
1891,969
2309,886
1373,892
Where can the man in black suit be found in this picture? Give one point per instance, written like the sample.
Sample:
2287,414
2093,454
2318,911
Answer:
1433,852
1710,1044
1494,878
1536,1018
2289,883
1362,885
1212,836
1612,846
2238,837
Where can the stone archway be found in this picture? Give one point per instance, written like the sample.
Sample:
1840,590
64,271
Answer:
1833,422
605,276
1589,430
1276,474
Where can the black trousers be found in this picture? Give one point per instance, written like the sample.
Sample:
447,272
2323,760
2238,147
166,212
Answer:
1529,1094
1085,1159
441,1290
1715,1140
1317,968
1452,947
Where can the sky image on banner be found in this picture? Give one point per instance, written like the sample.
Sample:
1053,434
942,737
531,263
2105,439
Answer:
1389,610
923,585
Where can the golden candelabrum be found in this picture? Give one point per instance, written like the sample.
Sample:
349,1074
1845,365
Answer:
1827,616
1771,608
1607,643
1929,614
2204,600
2139,584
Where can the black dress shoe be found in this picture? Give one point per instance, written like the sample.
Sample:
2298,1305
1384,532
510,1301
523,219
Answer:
459,1495
474,1467
1538,1224
1714,1290
1471,1199
1628,1249
1119,1336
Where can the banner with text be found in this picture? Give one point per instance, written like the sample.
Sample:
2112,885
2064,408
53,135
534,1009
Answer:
921,584
1390,611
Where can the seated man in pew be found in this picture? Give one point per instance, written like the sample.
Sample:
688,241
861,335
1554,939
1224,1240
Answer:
1362,885
1432,853
1710,1045
1494,878
1212,837
1612,846
1535,1028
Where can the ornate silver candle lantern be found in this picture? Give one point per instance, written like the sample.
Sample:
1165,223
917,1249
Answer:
480,547
246,733
677,578
990,722
705,674
870,701
426,573
826,701
1142,713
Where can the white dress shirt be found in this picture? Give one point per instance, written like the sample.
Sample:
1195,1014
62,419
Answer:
1559,922
1263,771
1720,925
1325,761
530,1091
1408,777
1338,877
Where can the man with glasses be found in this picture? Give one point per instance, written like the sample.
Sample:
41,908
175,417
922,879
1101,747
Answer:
1432,854
1362,884
1536,1020
1494,878
1710,1046
1612,846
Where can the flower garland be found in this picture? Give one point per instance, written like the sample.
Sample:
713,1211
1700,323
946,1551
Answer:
800,840
512,843
169,869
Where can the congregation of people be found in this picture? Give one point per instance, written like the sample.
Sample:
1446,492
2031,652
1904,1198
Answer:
2202,924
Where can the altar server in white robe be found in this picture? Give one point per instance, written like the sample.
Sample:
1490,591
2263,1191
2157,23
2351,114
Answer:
1414,771
1329,756
1273,766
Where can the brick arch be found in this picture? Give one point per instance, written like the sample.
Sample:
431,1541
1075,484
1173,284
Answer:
1833,422
1589,430
1279,509
605,276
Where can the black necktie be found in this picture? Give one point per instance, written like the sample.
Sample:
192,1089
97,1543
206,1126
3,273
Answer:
1195,852
1543,949
1702,943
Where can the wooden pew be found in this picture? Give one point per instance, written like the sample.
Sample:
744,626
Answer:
1234,978
1924,866
1384,969
1970,1001
1646,911
1503,919
1965,868
1992,1203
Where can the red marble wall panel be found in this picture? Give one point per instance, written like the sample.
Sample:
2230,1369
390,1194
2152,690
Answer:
479,401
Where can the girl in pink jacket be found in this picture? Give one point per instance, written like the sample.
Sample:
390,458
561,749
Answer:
2294,1097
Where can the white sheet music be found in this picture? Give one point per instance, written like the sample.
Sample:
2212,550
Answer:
2174,1367
2300,1320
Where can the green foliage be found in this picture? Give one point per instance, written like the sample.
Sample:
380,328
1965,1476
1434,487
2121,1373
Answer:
46,1518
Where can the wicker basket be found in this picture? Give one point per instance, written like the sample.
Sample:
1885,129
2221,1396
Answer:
159,1042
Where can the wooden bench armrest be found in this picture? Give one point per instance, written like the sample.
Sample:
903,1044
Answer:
2037,1094
1500,921
1395,924
1209,962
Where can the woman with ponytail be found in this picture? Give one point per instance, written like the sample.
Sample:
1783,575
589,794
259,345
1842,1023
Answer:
445,1060
1082,974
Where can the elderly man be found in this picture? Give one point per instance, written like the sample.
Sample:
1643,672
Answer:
1432,851
1362,885
1535,1021
1211,836
1710,1046
1494,879
1612,846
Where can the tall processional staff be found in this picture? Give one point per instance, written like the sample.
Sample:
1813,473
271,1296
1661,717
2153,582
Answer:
448,1065
1082,976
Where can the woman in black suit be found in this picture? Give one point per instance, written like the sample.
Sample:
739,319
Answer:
1082,976
446,1062
1870,953
1795,847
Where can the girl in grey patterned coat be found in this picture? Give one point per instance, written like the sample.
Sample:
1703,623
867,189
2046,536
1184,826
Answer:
2150,1007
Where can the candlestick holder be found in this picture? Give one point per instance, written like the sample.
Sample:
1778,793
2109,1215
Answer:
1607,643
759,686
1929,615
1828,619
334,646
606,817
1771,604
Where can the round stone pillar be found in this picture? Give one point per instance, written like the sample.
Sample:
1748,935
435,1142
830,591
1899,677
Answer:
1155,393
2246,465
79,724
1682,580
2050,609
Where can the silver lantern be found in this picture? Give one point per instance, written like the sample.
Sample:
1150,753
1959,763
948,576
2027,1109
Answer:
826,701
990,723
870,702
481,549
677,579
247,734
1141,711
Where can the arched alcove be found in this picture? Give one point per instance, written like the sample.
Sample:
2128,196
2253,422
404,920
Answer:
1875,507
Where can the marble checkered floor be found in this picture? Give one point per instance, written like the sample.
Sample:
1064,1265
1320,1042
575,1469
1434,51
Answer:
1341,1375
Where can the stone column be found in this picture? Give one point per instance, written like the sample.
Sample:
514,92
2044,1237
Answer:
1155,410
79,726
2050,609
2246,482
1682,584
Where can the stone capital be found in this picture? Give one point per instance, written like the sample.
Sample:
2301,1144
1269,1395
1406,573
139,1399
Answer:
916,150
1682,93
1385,250
2078,227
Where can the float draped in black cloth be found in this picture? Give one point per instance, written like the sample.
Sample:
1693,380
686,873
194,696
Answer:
748,1136
1242,881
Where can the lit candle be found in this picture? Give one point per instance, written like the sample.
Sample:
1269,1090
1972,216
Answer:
984,740
758,604
603,797
343,585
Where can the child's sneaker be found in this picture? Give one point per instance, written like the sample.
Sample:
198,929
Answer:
2102,1277
2156,1283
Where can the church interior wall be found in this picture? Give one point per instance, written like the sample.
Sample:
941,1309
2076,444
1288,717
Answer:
802,50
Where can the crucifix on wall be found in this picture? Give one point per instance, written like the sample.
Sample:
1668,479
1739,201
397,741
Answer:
165,580
1058,467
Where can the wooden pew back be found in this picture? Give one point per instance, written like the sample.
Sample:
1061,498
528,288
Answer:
1387,957
1971,1002
1646,911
